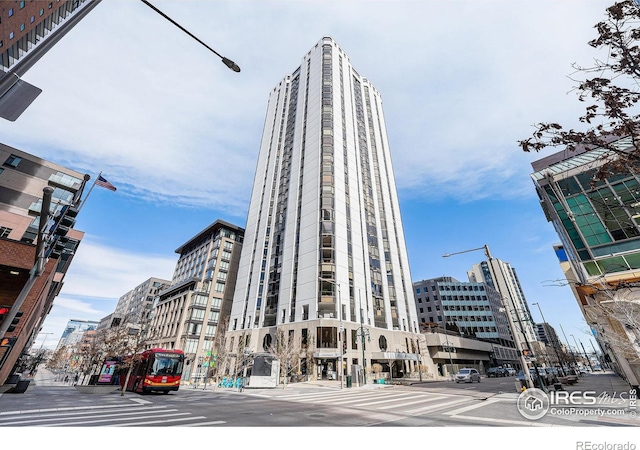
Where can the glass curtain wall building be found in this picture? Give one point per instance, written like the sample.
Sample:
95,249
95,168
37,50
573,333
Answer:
597,223
324,247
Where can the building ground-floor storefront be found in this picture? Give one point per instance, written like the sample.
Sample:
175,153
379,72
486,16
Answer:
325,349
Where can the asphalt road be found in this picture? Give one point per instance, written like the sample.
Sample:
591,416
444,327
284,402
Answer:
48,403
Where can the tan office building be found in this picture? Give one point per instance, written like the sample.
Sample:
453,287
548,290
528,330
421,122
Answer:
187,314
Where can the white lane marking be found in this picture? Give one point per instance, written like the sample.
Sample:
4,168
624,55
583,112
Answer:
113,419
412,403
435,407
202,424
470,407
70,408
21,418
519,423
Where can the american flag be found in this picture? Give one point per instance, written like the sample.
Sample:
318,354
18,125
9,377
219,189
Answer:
101,181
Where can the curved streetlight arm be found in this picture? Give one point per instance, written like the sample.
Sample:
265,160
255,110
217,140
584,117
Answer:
484,247
227,62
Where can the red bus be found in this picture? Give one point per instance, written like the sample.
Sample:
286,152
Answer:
154,370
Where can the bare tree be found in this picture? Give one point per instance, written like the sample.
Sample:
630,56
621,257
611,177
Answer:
617,305
287,351
611,95
308,349
220,353
58,359
127,342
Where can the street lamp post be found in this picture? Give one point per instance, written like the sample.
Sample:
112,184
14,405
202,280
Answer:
573,355
362,333
586,356
512,328
227,62
340,330
578,351
449,345
553,343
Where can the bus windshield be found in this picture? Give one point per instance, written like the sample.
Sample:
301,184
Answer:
166,365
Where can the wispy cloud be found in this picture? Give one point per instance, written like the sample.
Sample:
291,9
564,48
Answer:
462,81
112,272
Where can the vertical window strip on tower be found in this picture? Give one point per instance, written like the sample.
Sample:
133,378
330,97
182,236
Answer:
296,252
327,299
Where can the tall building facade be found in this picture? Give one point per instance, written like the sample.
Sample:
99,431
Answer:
27,181
74,329
597,222
135,306
324,248
187,314
25,24
28,29
472,309
507,283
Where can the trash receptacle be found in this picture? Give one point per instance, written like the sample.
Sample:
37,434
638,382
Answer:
348,381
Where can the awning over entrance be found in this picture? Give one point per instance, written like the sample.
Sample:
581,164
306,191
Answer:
326,354
394,355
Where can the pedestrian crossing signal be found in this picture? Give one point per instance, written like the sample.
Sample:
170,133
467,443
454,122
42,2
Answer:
527,353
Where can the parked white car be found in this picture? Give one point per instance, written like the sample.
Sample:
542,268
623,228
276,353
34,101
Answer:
467,376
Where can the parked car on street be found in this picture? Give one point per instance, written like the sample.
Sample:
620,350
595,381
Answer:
467,376
532,373
511,372
495,372
552,374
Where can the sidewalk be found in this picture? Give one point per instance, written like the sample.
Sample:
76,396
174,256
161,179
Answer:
44,377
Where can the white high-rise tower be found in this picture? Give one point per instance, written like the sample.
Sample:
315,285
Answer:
324,248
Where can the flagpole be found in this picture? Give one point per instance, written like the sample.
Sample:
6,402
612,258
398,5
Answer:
82,202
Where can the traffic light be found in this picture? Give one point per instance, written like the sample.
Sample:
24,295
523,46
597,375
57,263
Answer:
344,347
4,310
7,342
14,322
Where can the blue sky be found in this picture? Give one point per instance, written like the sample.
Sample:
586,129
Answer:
129,94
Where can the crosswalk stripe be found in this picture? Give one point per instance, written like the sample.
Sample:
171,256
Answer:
203,424
69,408
113,419
412,403
152,422
393,398
338,401
322,395
470,407
518,423
435,407
21,418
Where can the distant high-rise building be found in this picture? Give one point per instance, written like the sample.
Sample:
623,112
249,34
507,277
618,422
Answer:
470,308
135,306
74,330
324,249
514,301
187,314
